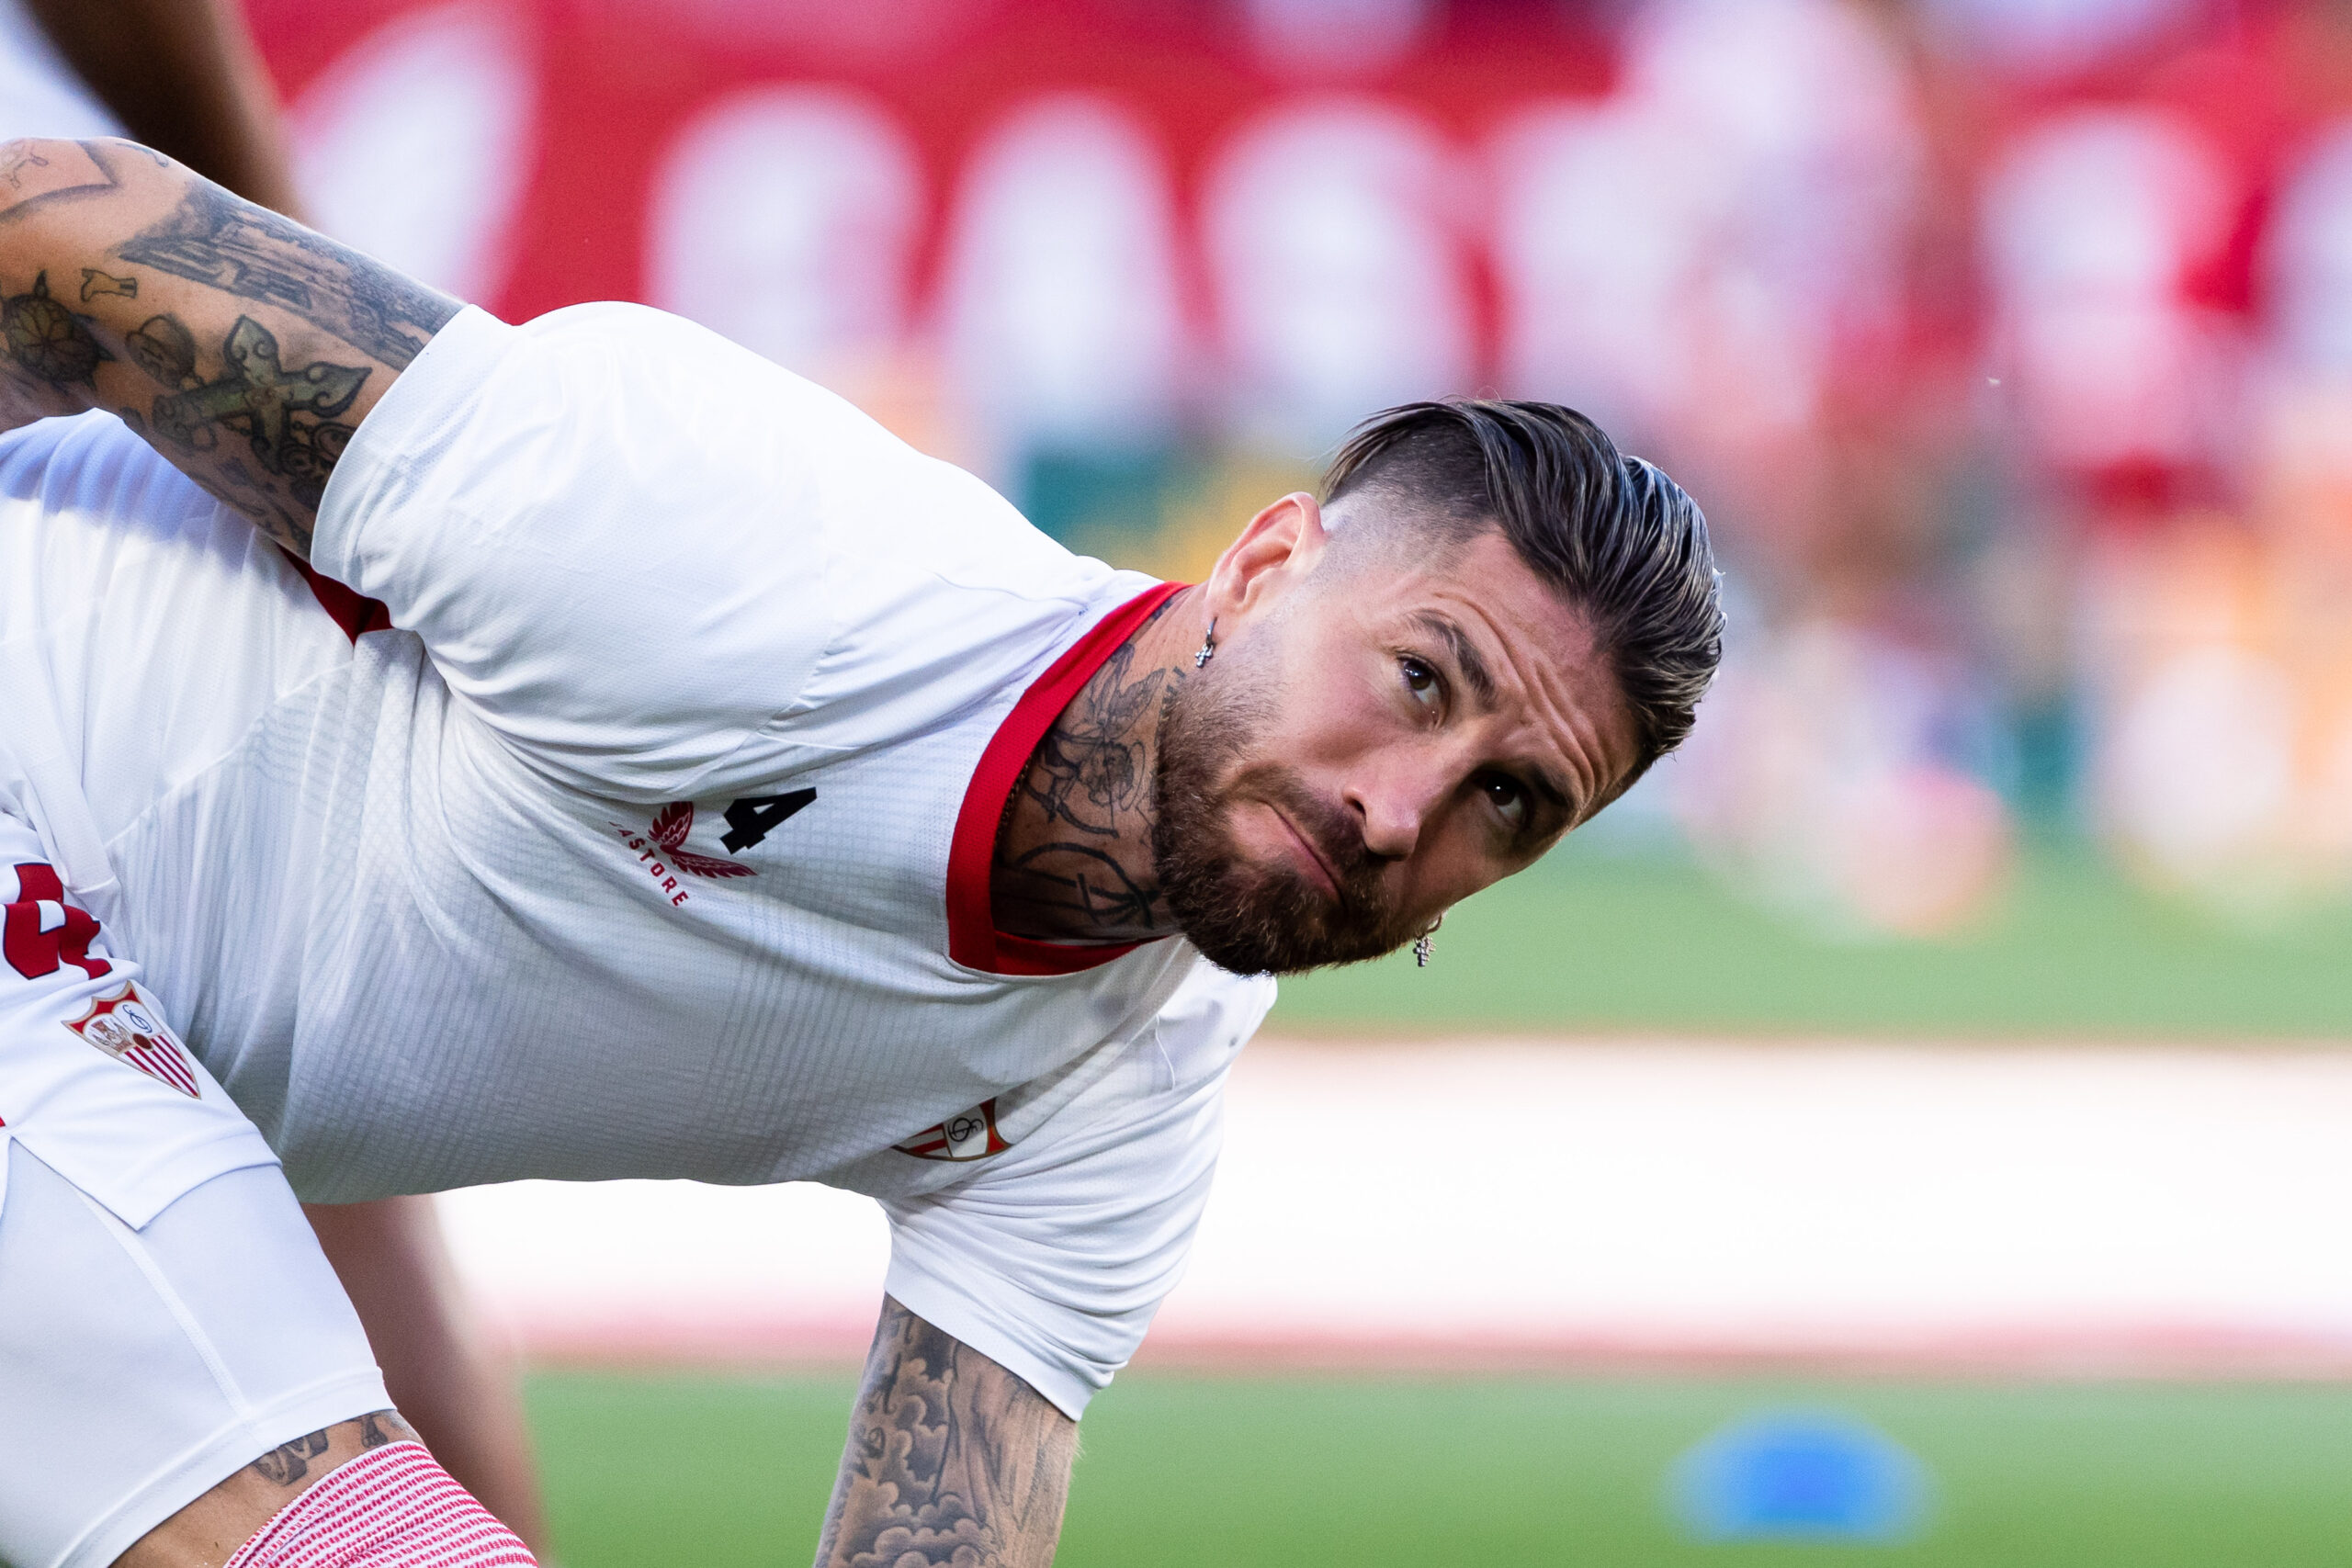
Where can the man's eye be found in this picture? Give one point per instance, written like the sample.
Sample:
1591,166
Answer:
1419,679
1509,800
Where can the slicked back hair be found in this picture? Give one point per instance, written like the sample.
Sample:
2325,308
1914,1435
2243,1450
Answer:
1613,535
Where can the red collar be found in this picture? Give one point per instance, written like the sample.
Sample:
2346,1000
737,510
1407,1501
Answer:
973,940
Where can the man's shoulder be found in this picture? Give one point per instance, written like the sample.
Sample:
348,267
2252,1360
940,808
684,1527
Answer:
704,410
659,557
607,326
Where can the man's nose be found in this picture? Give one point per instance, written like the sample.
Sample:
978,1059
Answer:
1395,805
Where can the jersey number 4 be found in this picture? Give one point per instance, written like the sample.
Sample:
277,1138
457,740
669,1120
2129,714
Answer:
755,817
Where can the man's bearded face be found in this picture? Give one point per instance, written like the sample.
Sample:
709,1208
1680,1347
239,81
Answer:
1252,917
1376,742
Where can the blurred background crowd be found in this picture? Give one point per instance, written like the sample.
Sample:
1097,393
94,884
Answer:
2007,342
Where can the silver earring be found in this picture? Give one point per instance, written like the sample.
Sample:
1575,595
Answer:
1423,947
1208,645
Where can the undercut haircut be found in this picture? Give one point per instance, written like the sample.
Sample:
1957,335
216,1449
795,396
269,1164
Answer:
1611,533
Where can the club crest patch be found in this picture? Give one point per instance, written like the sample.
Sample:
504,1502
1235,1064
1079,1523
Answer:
126,1027
971,1135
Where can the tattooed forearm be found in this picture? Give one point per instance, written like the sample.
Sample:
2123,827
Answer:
951,1460
165,349
285,416
95,282
252,254
46,341
243,347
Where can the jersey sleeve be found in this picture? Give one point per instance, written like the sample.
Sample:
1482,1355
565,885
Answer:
642,553
1052,1258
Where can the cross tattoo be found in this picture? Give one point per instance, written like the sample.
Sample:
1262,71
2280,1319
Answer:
257,388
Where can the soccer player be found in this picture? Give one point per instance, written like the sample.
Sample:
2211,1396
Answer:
438,752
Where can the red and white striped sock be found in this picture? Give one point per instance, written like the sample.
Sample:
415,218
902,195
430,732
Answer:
391,1507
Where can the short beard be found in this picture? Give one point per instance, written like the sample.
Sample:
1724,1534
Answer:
1248,919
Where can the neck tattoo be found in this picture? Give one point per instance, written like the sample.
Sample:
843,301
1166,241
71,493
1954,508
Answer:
1073,852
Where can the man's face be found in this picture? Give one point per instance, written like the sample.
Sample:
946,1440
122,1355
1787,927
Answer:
1381,738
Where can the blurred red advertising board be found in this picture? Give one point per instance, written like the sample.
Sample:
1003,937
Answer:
613,84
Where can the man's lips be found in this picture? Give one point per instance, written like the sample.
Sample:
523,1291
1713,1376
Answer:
1314,855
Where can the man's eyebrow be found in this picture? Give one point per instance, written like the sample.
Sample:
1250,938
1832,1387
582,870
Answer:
1481,682
1475,673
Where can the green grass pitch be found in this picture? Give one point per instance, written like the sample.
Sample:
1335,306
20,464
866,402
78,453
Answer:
1653,943
647,1470
1237,1471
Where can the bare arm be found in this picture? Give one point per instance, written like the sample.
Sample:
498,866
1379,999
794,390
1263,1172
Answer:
951,1460
240,345
184,76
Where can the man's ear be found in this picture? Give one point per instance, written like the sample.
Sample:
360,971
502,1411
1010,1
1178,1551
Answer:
1274,553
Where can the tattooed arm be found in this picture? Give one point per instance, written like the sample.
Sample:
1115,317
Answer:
952,1459
210,1529
240,345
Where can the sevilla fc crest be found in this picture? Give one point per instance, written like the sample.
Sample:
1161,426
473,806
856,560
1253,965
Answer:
972,1135
125,1027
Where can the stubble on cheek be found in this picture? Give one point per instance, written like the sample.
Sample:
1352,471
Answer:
1226,753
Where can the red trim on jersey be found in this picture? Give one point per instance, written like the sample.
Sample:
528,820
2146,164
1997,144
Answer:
343,605
973,940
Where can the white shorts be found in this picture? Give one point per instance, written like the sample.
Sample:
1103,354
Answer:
165,1314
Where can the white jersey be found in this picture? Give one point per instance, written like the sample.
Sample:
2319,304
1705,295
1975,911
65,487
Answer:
651,836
